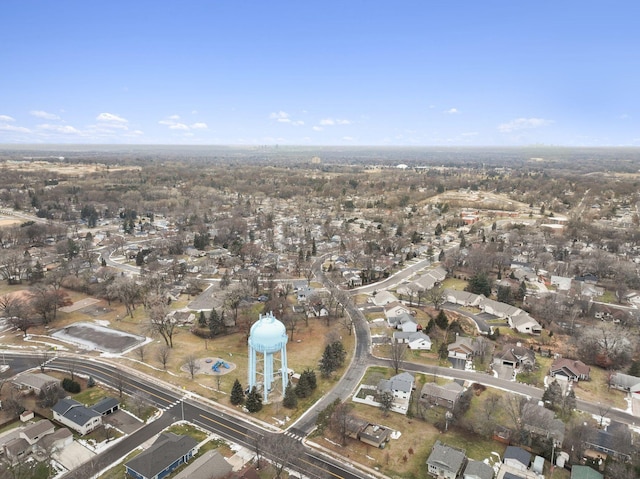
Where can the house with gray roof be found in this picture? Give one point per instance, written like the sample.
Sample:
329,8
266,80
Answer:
35,382
211,465
446,461
517,457
400,385
573,370
168,452
625,382
478,470
106,405
414,340
77,416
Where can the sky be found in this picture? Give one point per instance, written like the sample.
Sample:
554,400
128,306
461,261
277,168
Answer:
306,72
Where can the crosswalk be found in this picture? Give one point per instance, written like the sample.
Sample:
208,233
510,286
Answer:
173,404
293,435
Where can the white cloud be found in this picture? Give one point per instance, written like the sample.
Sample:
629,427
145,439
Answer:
334,121
317,128
523,124
110,117
6,118
281,116
298,123
174,117
44,115
199,126
451,111
64,129
347,138
15,129
178,126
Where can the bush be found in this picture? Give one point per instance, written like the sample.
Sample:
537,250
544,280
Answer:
71,386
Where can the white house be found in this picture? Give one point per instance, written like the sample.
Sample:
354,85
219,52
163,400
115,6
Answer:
415,340
400,385
382,298
395,309
76,416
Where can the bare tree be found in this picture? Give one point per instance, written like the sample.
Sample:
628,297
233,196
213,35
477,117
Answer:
43,358
397,354
141,351
159,320
192,365
138,402
162,354
340,420
283,451
436,296
119,382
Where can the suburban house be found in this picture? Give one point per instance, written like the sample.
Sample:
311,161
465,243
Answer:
584,472
211,465
625,382
395,309
446,461
30,438
106,406
614,440
415,340
167,453
523,323
517,458
384,297
400,385
463,348
542,422
404,322
77,416
446,395
571,369
35,382
462,298
425,282
371,434
477,470
516,356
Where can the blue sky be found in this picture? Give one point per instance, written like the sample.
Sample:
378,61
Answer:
476,72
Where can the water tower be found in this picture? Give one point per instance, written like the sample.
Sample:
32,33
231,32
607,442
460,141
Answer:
268,336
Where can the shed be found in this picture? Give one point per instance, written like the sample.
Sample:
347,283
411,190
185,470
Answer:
538,465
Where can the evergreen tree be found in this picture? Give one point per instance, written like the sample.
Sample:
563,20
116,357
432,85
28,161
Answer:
441,256
430,325
479,284
332,358
314,250
552,396
202,320
290,400
311,375
91,382
443,350
302,389
634,369
569,403
216,323
237,394
463,241
505,295
438,230
441,320
254,400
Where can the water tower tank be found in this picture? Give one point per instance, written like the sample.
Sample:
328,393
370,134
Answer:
268,337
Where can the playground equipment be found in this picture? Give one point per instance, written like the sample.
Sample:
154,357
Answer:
219,364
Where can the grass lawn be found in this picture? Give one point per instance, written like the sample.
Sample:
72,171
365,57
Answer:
453,283
597,390
118,471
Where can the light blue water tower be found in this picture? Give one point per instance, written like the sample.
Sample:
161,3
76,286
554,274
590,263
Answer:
268,336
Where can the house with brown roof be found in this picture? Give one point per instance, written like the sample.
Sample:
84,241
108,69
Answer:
573,370
446,395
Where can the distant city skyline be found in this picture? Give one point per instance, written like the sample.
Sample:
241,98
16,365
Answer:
403,73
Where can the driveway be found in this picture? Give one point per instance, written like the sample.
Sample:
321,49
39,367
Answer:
481,324
123,421
73,455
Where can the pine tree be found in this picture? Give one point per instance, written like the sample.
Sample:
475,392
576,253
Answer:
237,394
290,400
634,369
332,358
430,325
302,388
552,396
254,400
441,320
91,382
202,320
216,323
311,375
